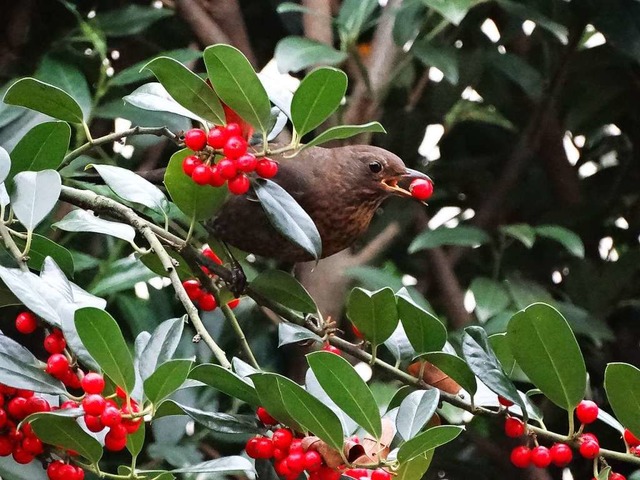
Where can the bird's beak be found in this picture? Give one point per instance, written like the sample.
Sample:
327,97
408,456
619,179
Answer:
399,184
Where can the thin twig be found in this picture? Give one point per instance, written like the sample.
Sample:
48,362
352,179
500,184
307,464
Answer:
12,247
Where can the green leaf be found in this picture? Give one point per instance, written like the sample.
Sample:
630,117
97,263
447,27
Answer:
66,433
103,339
153,96
353,18
374,313
345,131
443,57
5,164
425,332
547,351
41,248
288,217
622,384
428,440
132,187
134,74
317,97
522,232
199,201
35,195
225,381
526,12
187,88
69,78
237,85
415,411
349,392
455,367
291,333
491,297
453,10
42,148
167,378
501,348
129,20
294,53
14,372
518,71
233,464
83,221
463,235
569,240
283,288
161,346
285,399
44,98
135,441
414,468
13,349
221,423
604,473
483,362
467,111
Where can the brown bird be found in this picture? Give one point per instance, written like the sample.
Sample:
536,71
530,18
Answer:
340,189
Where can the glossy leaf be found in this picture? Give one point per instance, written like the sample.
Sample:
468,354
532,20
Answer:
399,345
425,332
237,85
527,12
483,362
317,97
130,19
83,221
15,373
491,297
161,346
103,339
547,351
443,57
455,367
35,195
230,465
132,187
225,381
166,379
414,468
153,96
66,433
452,10
291,333
522,232
622,384
199,201
5,164
44,98
569,240
288,217
134,74
353,18
463,235
294,53
135,441
69,78
345,387
187,88
42,247
287,401
415,411
428,440
284,289
342,132
374,313
19,353
42,148
221,423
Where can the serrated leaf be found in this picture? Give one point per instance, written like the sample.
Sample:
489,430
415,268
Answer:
547,351
83,221
283,288
132,187
199,201
153,96
428,440
415,411
344,131
349,392
236,83
166,379
463,235
160,346
294,53
288,217
66,433
491,297
622,384
225,381
291,333
187,88
102,337
522,232
44,98
35,195
374,313
425,332
569,240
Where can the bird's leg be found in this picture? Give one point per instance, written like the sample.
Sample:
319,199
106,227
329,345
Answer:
238,282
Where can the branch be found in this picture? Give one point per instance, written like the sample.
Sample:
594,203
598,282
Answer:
203,26
12,247
317,25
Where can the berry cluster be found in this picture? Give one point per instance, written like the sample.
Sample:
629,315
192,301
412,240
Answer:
421,188
236,162
633,442
366,474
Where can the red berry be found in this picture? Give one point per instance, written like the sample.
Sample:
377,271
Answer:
17,408
587,411
421,188
54,343
589,449
33,445
210,254
72,380
541,457
192,287
216,179
635,451
94,404
264,448
234,303
6,446
26,322
78,475
589,437
282,438
356,332
36,405
120,393
239,185
514,427
246,162
380,474
93,422
118,431
190,163
111,416
296,445
264,417
616,476
233,130
295,462
521,456
69,404
207,302
325,473
217,137
312,461
266,168
195,139
504,402
227,168
113,442
53,470
358,473
252,447
327,347
131,425
3,417
66,472
93,382
630,438
57,365
235,147
281,467
21,456
201,174
279,454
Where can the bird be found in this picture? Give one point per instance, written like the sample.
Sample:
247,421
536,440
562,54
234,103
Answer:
340,189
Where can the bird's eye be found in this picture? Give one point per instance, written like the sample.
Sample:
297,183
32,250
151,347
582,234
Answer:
375,167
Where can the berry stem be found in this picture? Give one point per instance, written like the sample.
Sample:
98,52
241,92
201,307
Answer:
231,317
571,424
